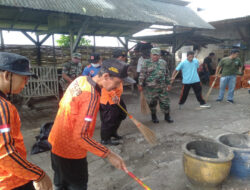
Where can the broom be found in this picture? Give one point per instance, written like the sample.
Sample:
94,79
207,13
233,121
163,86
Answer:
147,133
174,77
144,105
211,88
136,179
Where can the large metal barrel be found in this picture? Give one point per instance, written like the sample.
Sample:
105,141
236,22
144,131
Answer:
206,163
240,144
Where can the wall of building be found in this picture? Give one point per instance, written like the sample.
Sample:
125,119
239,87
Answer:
225,32
62,55
219,50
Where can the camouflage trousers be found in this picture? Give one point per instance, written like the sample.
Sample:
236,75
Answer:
153,95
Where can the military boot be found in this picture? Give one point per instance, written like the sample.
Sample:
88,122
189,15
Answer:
154,118
168,118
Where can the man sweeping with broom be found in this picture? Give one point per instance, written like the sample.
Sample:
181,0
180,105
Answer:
190,79
155,82
71,134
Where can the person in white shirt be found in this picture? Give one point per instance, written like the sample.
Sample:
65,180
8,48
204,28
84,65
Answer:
145,54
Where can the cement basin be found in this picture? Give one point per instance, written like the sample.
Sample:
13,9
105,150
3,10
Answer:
240,145
206,163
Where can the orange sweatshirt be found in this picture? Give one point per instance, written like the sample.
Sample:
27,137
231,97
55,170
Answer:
71,134
15,170
107,96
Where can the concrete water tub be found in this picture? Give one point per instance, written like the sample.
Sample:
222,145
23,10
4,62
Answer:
240,145
206,163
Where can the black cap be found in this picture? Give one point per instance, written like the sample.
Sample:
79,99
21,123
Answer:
235,51
15,63
94,58
118,69
119,52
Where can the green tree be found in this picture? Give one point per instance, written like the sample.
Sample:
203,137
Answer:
64,41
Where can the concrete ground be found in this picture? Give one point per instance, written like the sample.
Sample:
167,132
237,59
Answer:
160,167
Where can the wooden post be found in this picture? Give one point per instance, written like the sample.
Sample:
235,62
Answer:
38,47
94,44
54,53
2,41
37,44
71,35
125,45
80,33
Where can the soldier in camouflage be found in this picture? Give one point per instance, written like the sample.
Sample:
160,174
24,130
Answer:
71,70
155,82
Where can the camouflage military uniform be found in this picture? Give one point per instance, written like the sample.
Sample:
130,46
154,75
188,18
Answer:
73,70
154,79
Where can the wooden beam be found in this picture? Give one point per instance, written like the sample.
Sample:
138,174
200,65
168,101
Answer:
94,31
80,33
45,38
37,25
29,37
120,40
37,43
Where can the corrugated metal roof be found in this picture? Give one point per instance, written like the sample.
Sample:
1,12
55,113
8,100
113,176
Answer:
145,11
245,19
175,2
170,39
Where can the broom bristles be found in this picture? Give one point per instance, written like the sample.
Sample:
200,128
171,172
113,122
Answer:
147,133
144,105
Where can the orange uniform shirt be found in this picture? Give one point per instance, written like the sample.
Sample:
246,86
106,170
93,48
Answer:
71,134
15,170
107,96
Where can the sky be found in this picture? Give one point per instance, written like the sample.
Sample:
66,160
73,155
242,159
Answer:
220,9
212,10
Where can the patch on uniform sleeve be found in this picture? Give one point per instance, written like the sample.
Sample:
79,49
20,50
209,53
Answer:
4,128
88,118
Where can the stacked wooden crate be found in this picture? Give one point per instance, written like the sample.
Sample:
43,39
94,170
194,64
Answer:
246,77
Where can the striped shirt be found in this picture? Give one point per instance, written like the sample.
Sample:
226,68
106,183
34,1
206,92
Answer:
73,129
15,170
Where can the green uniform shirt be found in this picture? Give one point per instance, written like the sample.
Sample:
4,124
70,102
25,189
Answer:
73,70
154,74
230,66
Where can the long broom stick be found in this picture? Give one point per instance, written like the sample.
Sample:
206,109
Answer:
172,81
211,88
147,133
136,179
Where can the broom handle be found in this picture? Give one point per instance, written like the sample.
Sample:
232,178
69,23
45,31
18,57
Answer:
174,77
137,179
130,116
210,89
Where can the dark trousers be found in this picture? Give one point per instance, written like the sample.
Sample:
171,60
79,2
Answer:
27,186
69,174
111,118
197,90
